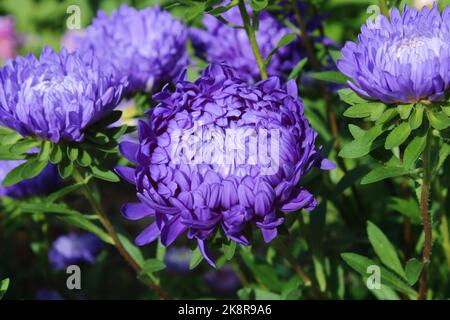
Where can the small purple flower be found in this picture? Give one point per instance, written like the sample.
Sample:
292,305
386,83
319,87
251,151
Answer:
177,259
147,46
401,60
8,38
42,184
222,43
74,249
224,281
56,96
198,192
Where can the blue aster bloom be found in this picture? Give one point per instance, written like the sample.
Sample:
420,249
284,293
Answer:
402,60
147,46
56,96
42,184
194,176
177,259
74,249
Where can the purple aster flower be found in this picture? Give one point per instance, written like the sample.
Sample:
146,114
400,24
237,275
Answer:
8,38
224,281
147,46
42,184
403,60
74,249
177,259
56,96
188,175
222,43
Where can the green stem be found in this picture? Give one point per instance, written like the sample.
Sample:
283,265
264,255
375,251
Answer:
112,233
294,263
252,38
424,211
444,222
384,7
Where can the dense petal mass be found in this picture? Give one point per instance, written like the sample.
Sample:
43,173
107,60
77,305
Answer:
42,184
221,43
74,249
147,46
56,96
220,153
402,60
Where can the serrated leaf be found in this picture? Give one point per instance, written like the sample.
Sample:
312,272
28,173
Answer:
383,172
384,249
397,136
196,258
413,269
4,284
360,264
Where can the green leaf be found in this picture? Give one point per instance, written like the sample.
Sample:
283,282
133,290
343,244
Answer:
84,158
360,264
362,146
416,118
4,284
384,172
387,116
14,176
56,154
330,76
356,131
63,192
46,149
284,41
320,273
407,207
444,152
133,250
297,69
103,174
65,168
151,266
373,110
258,5
32,168
196,258
72,153
438,120
85,224
413,269
414,150
397,136
351,97
23,146
229,249
384,249
404,110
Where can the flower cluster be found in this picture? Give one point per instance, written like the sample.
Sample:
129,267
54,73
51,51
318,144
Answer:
402,60
74,249
146,46
56,96
222,43
44,183
196,197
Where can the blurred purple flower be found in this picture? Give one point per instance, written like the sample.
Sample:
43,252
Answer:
48,294
198,197
75,249
8,38
72,38
224,281
403,60
147,46
42,184
177,259
56,96
222,43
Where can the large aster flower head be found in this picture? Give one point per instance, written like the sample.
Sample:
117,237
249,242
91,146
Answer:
147,46
188,176
221,43
57,95
42,184
402,60
73,249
